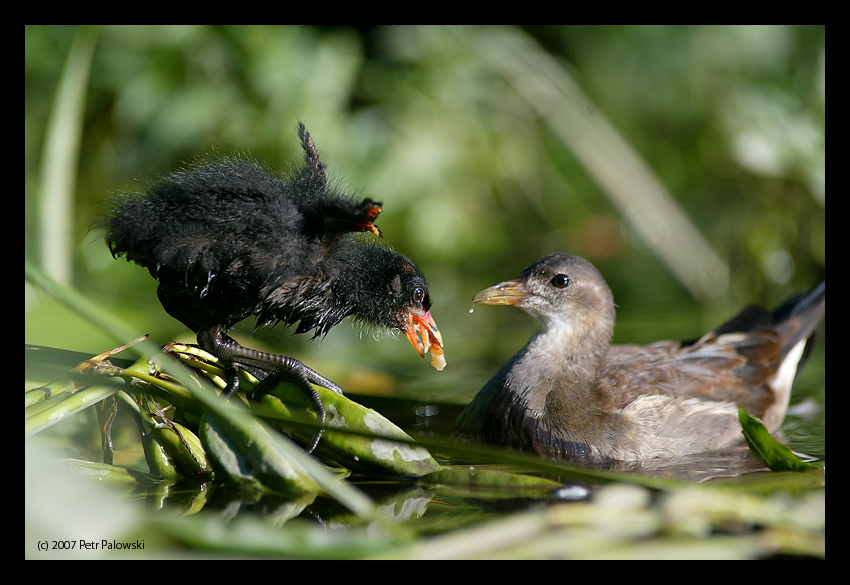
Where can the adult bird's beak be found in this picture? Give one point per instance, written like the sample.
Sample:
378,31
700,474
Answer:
422,332
510,292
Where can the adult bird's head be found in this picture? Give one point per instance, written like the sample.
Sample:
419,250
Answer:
566,294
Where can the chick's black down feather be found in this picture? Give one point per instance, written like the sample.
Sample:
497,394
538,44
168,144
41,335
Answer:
227,239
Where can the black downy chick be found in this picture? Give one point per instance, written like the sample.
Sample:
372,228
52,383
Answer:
228,240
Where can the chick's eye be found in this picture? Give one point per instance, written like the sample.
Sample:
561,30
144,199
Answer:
418,295
560,281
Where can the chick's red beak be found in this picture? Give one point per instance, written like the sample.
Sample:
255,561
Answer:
423,334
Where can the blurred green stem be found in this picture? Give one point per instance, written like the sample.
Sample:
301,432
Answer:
625,178
58,174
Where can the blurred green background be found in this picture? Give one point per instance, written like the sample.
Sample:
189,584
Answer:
686,162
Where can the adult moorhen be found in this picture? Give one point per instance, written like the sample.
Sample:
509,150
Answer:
228,240
569,394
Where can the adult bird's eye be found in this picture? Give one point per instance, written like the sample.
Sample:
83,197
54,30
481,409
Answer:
560,280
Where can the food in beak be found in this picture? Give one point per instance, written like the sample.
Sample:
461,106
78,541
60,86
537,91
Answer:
422,332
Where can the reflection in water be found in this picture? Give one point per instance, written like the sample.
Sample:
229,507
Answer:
433,508
697,468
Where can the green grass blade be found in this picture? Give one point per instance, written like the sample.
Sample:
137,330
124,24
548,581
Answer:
776,456
334,486
58,176
45,416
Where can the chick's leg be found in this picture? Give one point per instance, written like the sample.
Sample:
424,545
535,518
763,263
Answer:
278,367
